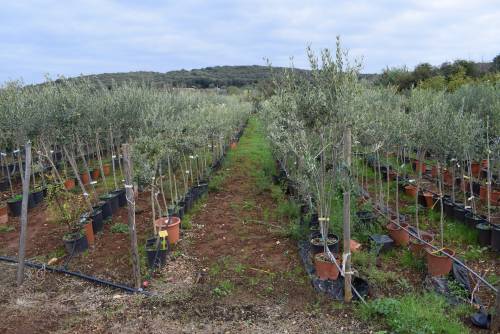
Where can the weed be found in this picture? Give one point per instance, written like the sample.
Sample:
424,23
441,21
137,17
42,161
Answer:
6,229
427,313
215,183
223,289
119,228
409,261
239,268
474,253
57,253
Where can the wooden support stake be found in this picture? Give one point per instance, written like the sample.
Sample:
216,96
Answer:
24,215
131,215
347,218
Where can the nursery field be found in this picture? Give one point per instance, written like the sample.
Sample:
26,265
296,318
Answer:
318,204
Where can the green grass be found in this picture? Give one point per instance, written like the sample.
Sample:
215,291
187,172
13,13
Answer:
409,261
427,313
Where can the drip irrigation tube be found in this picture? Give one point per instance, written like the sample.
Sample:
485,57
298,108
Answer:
79,275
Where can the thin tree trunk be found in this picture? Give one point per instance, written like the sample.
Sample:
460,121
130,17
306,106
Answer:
347,220
24,216
129,188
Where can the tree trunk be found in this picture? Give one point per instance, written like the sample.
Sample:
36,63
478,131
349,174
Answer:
136,270
347,220
24,216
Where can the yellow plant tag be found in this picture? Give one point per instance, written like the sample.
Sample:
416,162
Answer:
163,234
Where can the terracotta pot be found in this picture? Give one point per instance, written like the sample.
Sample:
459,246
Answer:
483,193
4,215
429,199
233,145
324,268
401,237
417,247
434,171
107,169
465,186
411,190
89,232
437,263
495,197
484,163
475,169
69,184
95,174
173,229
423,167
447,177
85,178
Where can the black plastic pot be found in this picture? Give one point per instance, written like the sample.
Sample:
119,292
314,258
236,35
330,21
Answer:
188,200
448,208
484,236
495,237
366,217
15,207
122,197
334,248
4,185
97,221
105,208
75,244
37,196
156,256
31,201
472,220
459,212
476,187
112,199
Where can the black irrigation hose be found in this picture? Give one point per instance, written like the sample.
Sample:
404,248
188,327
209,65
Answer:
79,275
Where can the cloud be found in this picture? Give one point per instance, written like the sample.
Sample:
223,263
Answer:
94,36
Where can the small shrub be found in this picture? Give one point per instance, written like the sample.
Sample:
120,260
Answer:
223,289
119,228
411,262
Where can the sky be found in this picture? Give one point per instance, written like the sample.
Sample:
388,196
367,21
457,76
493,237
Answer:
54,37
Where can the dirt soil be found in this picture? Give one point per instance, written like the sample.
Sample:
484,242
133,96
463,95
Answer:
234,271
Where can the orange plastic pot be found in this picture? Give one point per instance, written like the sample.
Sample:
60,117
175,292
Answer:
434,171
173,229
89,232
495,197
411,190
85,178
423,167
324,268
400,236
233,145
484,163
69,184
439,264
475,168
95,174
4,215
483,193
107,169
447,178
417,247
429,202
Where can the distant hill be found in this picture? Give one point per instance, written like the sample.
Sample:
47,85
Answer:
209,77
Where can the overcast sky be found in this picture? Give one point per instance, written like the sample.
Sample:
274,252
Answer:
95,36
